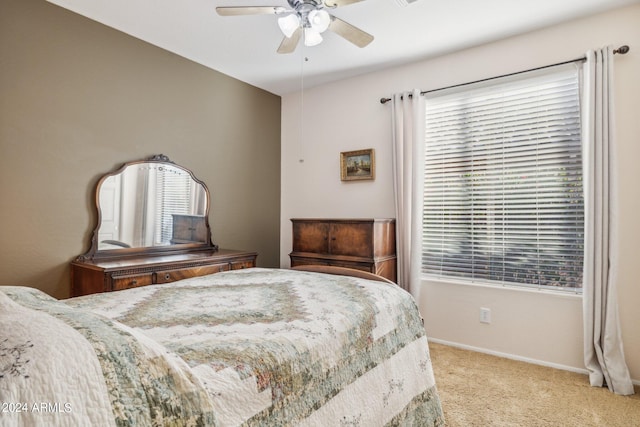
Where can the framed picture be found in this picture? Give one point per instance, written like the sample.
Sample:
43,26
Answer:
357,165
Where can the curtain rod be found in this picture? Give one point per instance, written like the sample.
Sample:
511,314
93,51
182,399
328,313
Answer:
621,50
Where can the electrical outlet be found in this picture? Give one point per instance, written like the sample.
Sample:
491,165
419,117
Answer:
485,315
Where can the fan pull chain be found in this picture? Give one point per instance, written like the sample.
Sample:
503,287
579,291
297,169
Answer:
301,143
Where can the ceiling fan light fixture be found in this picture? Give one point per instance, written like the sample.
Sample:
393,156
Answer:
319,20
306,20
289,24
312,37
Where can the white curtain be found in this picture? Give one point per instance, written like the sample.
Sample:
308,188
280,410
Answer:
603,350
408,123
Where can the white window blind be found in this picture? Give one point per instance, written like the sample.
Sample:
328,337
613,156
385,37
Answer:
503,198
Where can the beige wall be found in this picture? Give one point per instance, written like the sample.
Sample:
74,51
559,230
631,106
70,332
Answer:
346,115
78,99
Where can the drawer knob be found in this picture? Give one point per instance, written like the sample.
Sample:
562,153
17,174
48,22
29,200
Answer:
167,276
134,282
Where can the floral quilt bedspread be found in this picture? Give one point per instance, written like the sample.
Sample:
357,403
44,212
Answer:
62,366
269,347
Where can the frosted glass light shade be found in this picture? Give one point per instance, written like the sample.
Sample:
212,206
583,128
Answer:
319,20
289,24
312,37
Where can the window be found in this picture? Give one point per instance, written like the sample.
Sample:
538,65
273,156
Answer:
503,200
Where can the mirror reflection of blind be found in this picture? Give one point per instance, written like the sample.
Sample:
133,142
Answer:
173,192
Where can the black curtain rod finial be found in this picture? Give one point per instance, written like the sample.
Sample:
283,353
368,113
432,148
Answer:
622,49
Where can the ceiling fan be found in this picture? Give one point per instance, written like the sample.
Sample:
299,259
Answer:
308,18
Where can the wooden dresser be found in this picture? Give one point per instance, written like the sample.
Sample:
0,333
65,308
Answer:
93,276
363,244
152,228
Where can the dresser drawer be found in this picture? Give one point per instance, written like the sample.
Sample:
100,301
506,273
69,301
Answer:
133,281
167,276
239,265
364,266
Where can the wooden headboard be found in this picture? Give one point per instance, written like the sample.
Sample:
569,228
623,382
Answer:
330,269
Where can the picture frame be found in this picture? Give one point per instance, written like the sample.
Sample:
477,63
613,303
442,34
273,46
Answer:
358,165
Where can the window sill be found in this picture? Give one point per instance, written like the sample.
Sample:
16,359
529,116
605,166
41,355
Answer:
506,287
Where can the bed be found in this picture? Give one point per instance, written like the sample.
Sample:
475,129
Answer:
254,347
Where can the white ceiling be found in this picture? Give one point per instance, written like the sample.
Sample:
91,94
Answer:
244,47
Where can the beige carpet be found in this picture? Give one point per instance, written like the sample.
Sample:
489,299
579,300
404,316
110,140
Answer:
477,389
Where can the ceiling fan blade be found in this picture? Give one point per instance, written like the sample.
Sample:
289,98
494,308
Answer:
349,32
250,10
337,3
289,44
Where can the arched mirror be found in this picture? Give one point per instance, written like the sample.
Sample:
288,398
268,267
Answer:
150,206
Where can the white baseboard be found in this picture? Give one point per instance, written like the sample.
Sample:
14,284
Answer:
516,357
